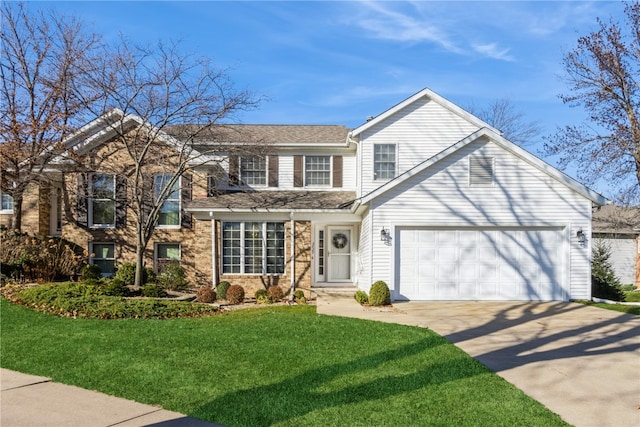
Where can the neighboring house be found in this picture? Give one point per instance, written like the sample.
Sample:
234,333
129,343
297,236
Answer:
424,196
618,228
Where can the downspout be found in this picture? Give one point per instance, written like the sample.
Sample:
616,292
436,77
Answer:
292,260
214,259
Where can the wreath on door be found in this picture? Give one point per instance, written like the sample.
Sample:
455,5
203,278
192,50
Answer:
340,240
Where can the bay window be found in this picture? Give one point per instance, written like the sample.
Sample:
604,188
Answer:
253,248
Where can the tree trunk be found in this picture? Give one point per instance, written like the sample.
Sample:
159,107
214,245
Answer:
139,260
16,220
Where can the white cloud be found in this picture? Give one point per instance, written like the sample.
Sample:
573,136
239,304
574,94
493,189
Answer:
493,51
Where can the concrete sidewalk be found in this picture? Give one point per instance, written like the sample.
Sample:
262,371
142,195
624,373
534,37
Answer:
581,362
28,400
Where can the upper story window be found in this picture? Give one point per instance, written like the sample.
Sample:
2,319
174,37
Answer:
481,171
317,170
7,203
253,170
102,205
170,210
384,161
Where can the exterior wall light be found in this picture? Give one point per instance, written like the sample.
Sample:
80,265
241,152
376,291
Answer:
582,238
385,235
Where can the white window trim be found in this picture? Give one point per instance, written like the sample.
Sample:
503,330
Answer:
91,198
266,172
304,172
155,253
373,161
263,225
170,226
92,258
6,211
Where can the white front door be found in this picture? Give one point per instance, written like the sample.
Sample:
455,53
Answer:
339,254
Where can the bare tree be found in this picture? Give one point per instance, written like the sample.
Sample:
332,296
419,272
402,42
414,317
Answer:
602,74
157,92
41,60
503,115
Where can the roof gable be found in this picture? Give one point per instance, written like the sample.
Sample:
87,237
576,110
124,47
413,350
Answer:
414,98
559,176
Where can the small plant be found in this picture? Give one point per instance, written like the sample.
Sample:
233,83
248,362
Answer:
235,294
275,293
126,273
115,288
206,295
298,296
153,291
262,297
604,283
90,272
362,297
173,277
379,294
221,289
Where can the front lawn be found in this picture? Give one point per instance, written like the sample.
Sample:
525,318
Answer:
270,366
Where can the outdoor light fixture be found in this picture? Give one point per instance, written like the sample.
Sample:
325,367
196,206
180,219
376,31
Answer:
581,236
384,235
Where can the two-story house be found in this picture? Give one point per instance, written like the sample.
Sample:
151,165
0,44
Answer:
425,196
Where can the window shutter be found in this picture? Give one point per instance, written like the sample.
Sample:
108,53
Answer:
233,171
185,194
337,171
273,171
121,201
82,207
481,171
297,171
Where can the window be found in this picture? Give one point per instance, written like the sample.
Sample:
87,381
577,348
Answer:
253,247
7,203
170,210
317,170
253,170
102,205
166,253
103,255
384,161
481,171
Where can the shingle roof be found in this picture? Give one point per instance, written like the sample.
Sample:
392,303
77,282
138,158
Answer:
276,200
613,219
268,134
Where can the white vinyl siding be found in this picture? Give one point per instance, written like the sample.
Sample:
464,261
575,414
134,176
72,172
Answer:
420,131
523,196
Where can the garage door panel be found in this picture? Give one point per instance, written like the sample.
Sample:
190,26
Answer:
483,264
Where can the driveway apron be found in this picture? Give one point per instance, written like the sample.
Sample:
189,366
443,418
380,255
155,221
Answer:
581,362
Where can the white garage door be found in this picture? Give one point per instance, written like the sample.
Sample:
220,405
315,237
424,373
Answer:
480,264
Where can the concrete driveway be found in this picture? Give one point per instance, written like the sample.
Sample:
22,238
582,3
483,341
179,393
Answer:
582,363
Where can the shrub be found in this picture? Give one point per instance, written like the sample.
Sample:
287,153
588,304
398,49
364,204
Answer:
205,294
116,288
298,296
173,277
361,297
149,276
153,291
262,297
379,294
604,283
40,258
235,294
275,293
126,273
221,289
90,272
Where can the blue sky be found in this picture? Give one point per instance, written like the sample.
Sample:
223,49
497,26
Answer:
339,62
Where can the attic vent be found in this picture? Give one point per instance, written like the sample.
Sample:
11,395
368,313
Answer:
481,171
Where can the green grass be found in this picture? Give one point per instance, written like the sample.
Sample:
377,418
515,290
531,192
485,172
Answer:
270,366
629,309
633,296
